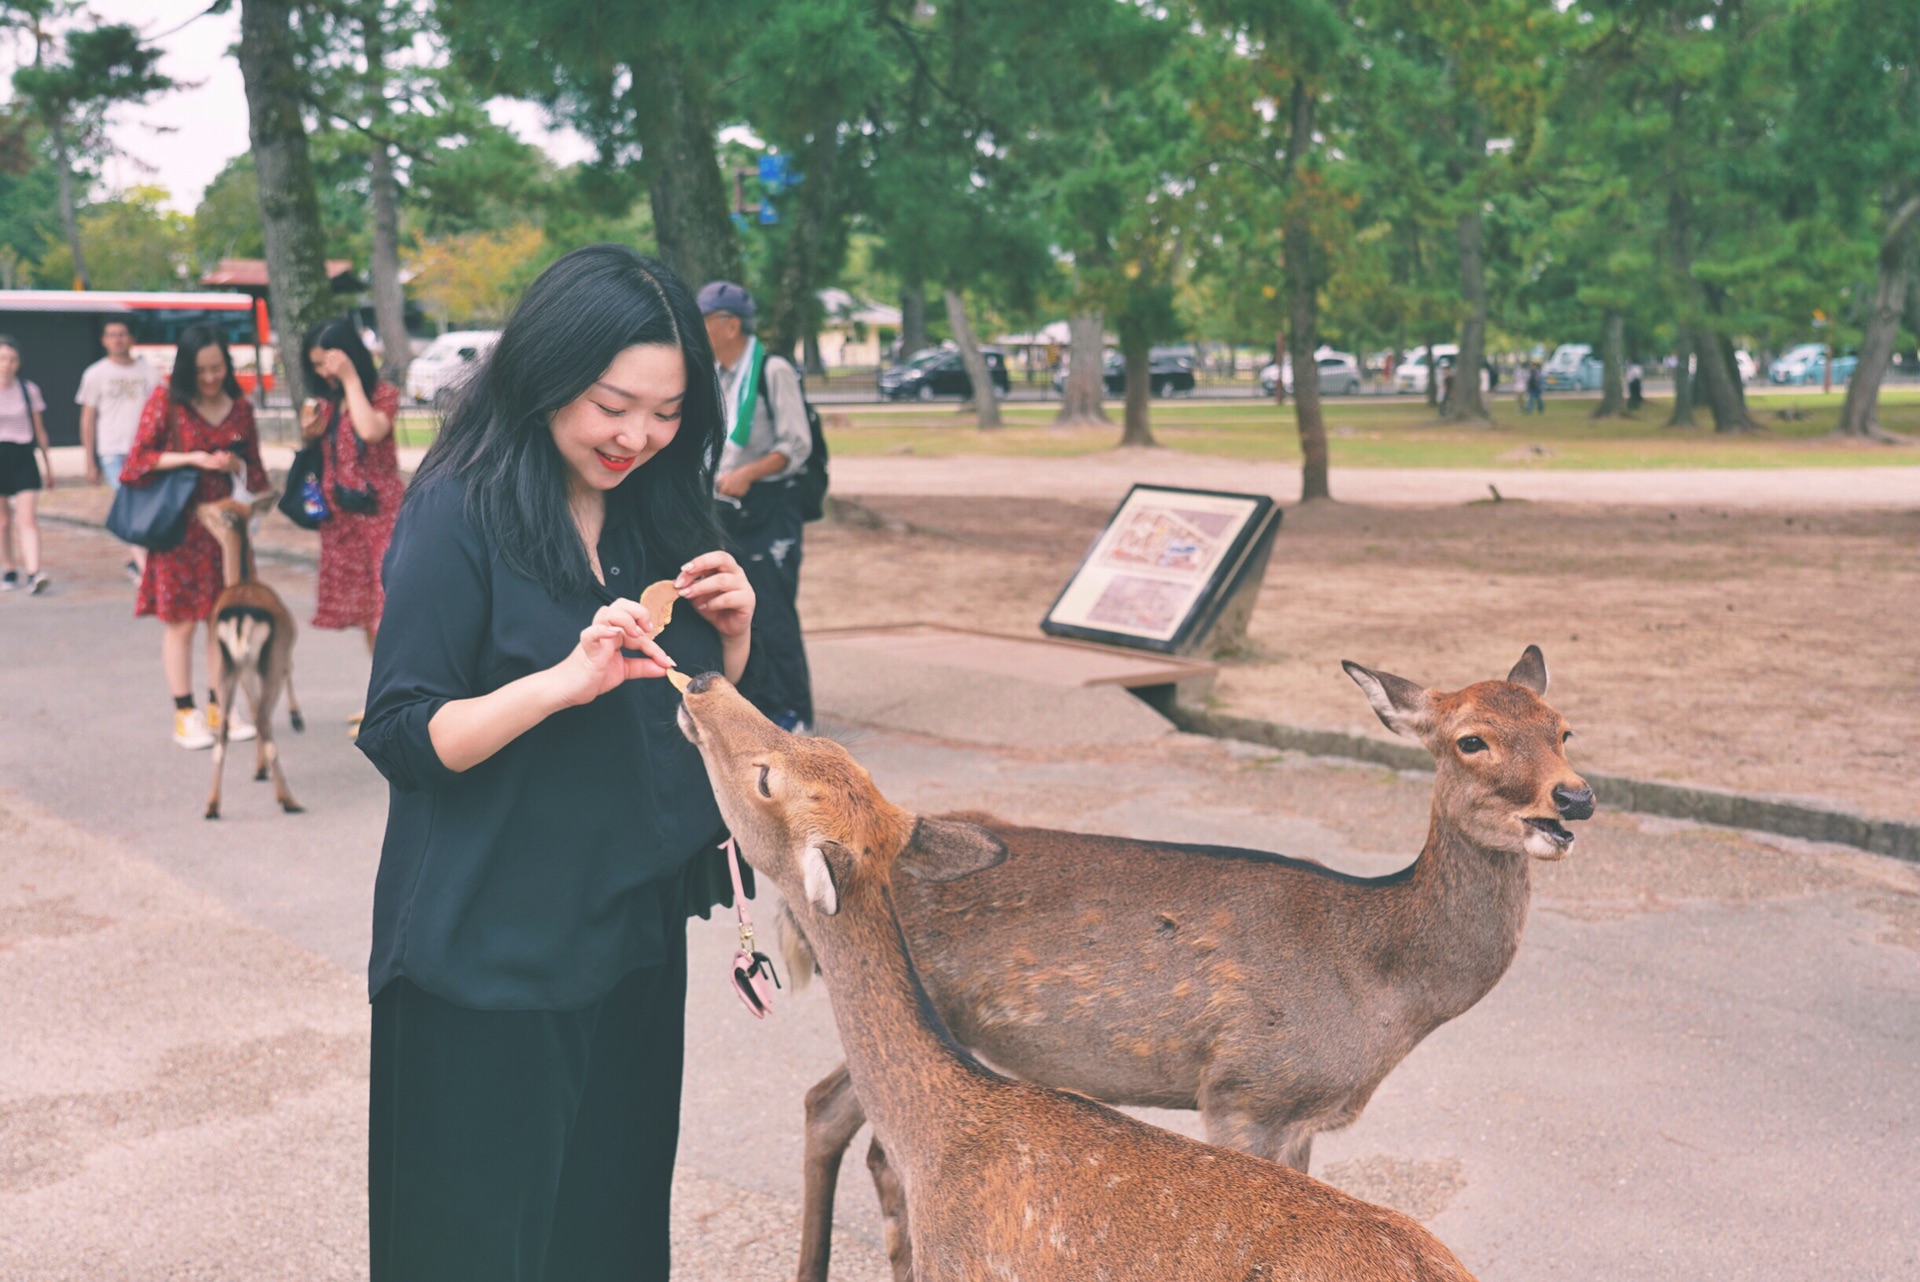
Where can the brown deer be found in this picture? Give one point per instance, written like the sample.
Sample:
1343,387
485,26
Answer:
1003,1178
1271,994
255,631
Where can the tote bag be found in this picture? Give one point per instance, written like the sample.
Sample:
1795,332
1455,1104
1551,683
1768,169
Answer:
154,514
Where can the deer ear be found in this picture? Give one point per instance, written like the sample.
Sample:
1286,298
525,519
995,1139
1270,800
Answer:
817,876
942,850
1402,706
1531,671
264,503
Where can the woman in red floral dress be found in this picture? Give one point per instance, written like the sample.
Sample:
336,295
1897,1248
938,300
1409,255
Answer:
354,412
198,420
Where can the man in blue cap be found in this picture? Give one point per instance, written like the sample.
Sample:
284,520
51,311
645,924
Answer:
767,446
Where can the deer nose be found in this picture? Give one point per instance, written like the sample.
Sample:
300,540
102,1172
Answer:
702,683
1573,803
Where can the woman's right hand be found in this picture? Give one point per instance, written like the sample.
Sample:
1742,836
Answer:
597,665
312,422
216,460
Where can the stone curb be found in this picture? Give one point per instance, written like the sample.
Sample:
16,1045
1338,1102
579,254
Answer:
1675,801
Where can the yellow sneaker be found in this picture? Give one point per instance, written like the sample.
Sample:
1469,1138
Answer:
190,728
239,729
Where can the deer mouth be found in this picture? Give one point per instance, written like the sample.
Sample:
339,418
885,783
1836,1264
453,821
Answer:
1548,838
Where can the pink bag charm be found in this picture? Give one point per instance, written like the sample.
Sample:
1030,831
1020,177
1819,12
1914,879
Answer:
751,969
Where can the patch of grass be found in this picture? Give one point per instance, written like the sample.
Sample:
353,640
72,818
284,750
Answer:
1384,432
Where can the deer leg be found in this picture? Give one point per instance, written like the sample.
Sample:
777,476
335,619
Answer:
1235,1126
250,681
270,687
293,709
834,1117
893,1210
228,676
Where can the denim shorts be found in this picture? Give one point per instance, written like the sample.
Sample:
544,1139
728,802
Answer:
110,465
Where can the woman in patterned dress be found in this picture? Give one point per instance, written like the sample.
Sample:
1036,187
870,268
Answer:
198,420
354,411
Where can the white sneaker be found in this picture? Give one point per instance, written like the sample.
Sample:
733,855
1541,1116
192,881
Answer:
37,583
190,728
239,729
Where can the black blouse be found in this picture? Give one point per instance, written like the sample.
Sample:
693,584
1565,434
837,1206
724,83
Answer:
539,878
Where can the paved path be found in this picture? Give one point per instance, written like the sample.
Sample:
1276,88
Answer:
1704,1063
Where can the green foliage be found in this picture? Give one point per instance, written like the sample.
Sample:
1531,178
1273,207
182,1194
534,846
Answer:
132,242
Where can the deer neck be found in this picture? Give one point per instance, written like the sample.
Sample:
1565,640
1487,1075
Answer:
236,557
914,1080
1458,918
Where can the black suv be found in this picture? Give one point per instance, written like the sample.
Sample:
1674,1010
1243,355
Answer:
938,372
1169,370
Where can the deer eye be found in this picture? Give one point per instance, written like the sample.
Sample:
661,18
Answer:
763,784
1471,744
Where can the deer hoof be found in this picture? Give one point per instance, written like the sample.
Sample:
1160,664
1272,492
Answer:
293,808
213,812
299,722
260,775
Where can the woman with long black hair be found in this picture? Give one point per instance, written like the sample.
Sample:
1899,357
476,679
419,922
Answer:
199,420
547,820
352,413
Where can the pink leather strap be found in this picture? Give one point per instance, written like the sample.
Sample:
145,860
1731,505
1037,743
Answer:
739,894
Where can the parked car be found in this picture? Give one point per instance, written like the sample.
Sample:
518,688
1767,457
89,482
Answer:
1807,363
439,370
938,371
1339,373
1414,369
1169,371
1572,368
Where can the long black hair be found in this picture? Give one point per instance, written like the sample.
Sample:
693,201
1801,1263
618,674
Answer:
581,313
184,386
338,336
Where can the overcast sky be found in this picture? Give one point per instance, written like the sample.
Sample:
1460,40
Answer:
208,119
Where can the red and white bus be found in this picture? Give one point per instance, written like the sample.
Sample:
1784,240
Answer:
58,331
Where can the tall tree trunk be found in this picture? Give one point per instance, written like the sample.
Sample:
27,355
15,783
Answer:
1303,314
1613,383
692,220
1136,351
1433,374
986,397
810,360
1683,382
1860,415
69,217
1466,402
913,318
1081,402
389,303
1718,384
289,209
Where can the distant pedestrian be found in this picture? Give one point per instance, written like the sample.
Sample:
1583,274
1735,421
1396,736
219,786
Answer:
1634,389
1536,387
200,420
768,443
23,429
352,413
1445,375
113,391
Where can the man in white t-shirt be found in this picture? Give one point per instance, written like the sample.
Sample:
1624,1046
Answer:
112,393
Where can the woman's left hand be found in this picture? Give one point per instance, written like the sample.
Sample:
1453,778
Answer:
714,585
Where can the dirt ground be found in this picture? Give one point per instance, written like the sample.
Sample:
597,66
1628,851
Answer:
1763,652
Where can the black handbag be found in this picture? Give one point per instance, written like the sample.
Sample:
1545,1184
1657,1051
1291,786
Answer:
304,501
154,514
